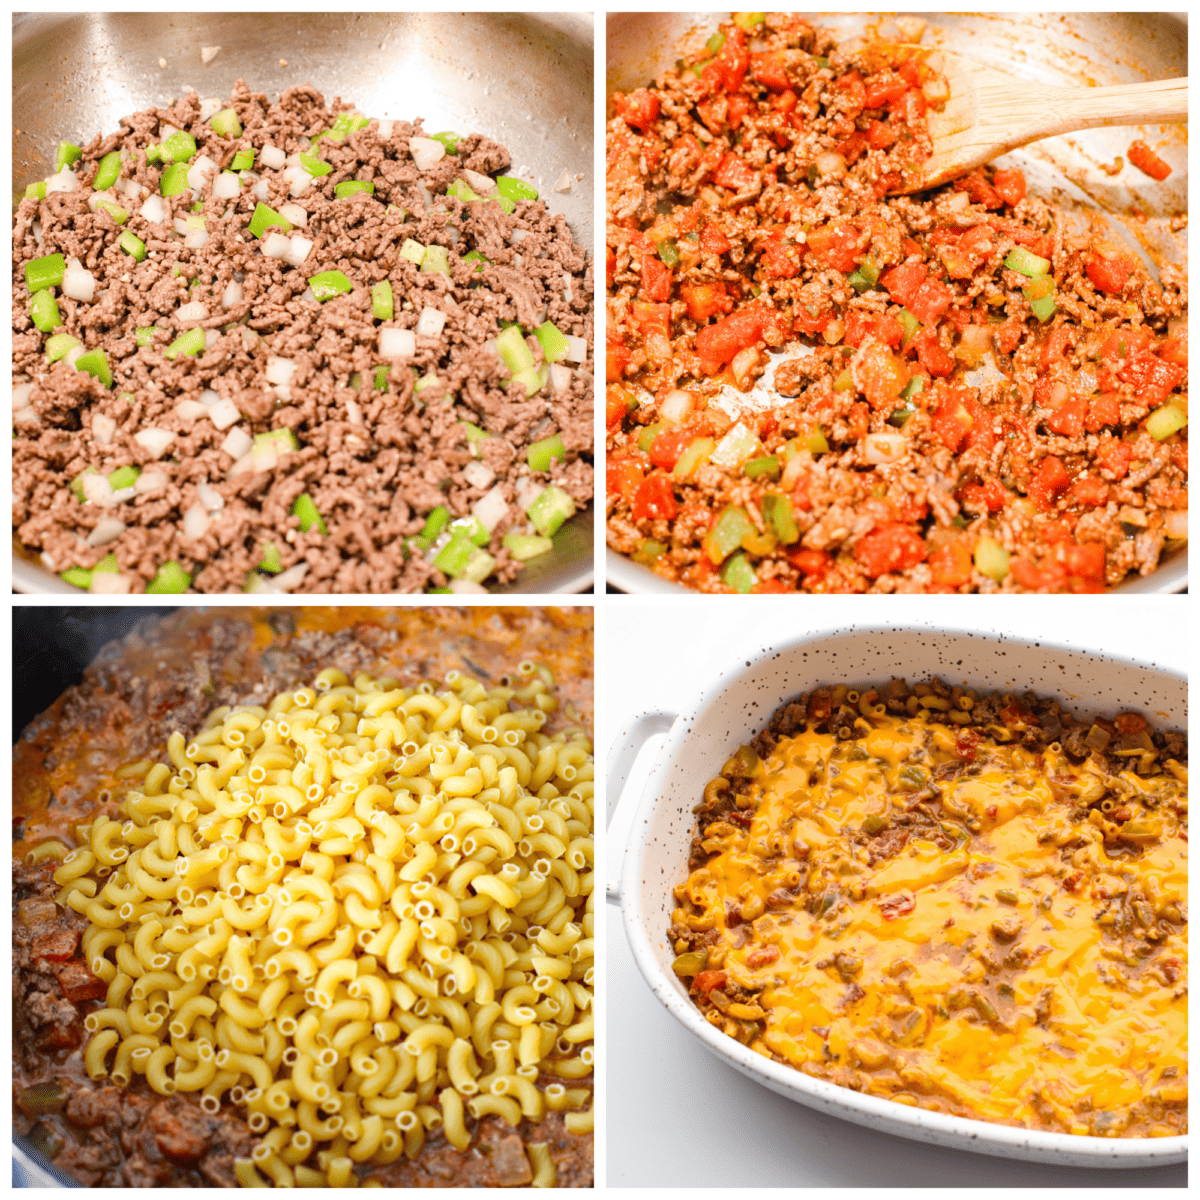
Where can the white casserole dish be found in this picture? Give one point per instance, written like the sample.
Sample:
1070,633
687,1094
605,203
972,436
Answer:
735,708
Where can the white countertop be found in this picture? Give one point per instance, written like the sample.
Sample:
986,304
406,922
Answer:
676,1116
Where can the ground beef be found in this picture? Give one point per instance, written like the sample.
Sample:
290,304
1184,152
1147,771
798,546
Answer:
168,674
374,453
873,397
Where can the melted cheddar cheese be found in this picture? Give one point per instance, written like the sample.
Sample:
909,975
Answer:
954,928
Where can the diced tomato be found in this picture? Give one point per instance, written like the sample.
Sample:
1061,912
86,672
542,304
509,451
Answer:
57,946
733,173
1055,346
978,190
1010,185
78,983
910,73
853,147
881,376
902,281
780,259
1085,564
656,279
800,495
714,112
859,422
669,445
770,70
835,245
735,114
1090,492
969,252
1108,271
705,300
717,344
733,61
1048,481
707,981
883,88
860,325
933,358
1114,456
961,420
651,319
991,496
889,549
623,478
1104,409
654,499
639,109
1036,576
615,407
1175,350
911,107
809,322
810,563
880,136
1147,161
1008,336
770,587
610,265
785,102
616,358
951,565
856,94
966,745
1125,343
1152,379
1067,419
713,239
930,301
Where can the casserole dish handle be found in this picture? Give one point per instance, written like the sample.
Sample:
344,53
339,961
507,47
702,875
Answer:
624,753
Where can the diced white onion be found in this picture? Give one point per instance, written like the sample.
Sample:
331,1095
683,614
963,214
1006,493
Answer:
49,562
226,186
275,245
385,130
224,413
36,227
294,213
300,183
568,294
272,156
233,294
64,181
73,356
264,455
210,336
191,410
249,338
209,397
528,492
210,497
210,108
880,448
154,441
491,508
560,377
562,183
104,428
132,189
479,183
150,481
79,284
166,129
292,577
96,489
74,263
676,405
1175,523
279,370
194,310
293,160
298,250
181,226
20,394
478,474
431,322
309,295
517,236
123,494
467,587
109,583
262,190
208,53
199,171
353,412
426,152
196,521
397,343
197,239
153,210
576,349
283,391
237,442
106,531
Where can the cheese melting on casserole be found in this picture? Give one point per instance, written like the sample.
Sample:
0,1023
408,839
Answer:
963,925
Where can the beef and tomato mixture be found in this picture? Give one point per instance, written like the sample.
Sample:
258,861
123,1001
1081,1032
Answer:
92,751
814,385
972,904
279,346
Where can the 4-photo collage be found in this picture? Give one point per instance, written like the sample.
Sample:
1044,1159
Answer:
322,660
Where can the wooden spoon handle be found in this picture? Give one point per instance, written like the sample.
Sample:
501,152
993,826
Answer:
1164,100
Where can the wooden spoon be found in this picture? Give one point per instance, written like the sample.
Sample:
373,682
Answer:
989,113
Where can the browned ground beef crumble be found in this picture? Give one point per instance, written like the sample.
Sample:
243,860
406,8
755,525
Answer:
375,462
749,210
133,696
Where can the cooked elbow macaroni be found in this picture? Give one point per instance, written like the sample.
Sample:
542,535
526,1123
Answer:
362,912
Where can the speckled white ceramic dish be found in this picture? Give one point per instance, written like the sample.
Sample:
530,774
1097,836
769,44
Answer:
735,708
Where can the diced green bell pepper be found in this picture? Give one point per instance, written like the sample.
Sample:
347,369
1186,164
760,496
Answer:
476,256
453,557
95,363
475,436
316,167
383,306
541,454
738,574
548,512
132,245
461,190
36,191
119,215
435,523
328,284
512,188
533,379
514,351
449,140
243,160
381,376
436,258
171,579
305,508
67,155
524,546
59,345
766,465
698,451
78,577
1025,262
45,272
413,251
726,535
174,180
43,311
226,123
1164,421
144,335
991,559
816,441
910,326
749,21
778,514
553,341
473,527
264,218
123,477
351,187
191,342
179,148
108,172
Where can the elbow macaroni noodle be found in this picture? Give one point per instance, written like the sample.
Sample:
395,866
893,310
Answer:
361,912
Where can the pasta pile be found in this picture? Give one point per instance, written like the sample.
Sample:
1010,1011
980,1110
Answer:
360,913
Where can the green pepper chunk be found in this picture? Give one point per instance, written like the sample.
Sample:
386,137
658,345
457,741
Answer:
108,171
383,306
437,521
473,528
43,310
226,123
171,579
45,272
910,325
328,284
144,335
726,535
352,187
1164,421
436,258
477,257
1026,263
123,477
179,148
541,454
738,574
174,180
189,343
668,251
78,577
514,350
305,508
454,556
132,244
749,21
95,363
768,464
243,160
552,340
714,43
380,376
67,155
271,559
59,345
263,218
449,140
524,546
777,512
900,416
36,191
512,188
461,190
548,512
